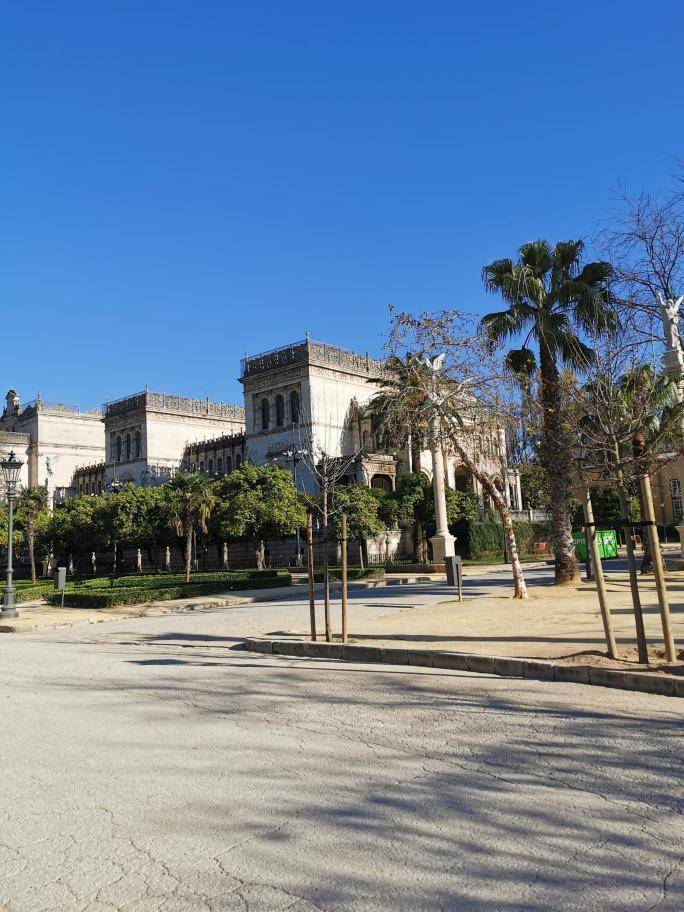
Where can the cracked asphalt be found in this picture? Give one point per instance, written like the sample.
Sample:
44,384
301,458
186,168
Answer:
149,765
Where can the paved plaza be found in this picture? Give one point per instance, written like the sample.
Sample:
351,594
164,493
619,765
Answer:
150,765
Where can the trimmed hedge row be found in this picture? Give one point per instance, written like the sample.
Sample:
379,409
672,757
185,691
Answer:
353,573
37,590
131,595
158,580
486,539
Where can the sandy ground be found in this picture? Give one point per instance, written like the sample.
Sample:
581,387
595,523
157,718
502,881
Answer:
563,622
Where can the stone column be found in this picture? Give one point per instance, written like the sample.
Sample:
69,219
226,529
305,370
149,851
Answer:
673,362
442,541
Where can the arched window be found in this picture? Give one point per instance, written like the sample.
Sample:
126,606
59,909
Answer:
210,467
294,406
117,449
366,438
265,415
201,468
137,445
128,446
219,466
99,487
280,411
238,460
229,464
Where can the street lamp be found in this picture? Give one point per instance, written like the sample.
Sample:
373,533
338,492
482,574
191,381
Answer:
11,467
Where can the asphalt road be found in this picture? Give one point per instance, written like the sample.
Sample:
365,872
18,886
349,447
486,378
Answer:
148,765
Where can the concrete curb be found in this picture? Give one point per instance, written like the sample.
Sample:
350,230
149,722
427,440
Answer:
666,685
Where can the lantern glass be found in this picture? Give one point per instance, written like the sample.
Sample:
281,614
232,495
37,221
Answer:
11,467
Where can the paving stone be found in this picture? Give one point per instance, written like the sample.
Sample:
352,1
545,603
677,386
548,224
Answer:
510,667
457,660
395,656
579,674
422,657
481,664
537,669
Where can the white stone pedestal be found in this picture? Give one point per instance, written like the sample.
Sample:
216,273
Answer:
442,546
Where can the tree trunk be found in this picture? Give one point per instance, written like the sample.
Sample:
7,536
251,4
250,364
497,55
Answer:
188,551
502,509
260,556
558,459
31,550
362,545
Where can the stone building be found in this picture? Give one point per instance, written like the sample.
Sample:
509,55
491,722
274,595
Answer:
56,439
147,434
304,398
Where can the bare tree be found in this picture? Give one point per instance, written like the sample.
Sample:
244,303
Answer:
328,457
645,243
466,399
627,421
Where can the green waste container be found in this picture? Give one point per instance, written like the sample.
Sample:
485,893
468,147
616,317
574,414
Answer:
606,540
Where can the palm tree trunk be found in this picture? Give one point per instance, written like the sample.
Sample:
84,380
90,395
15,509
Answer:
188,550
558,459
502,509
31,550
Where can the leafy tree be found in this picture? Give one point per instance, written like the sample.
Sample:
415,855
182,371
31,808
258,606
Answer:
72,528
258,503
416,505
188,503
551,300
534,485
32,515
361,506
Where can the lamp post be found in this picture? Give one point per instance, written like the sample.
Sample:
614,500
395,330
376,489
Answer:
11,466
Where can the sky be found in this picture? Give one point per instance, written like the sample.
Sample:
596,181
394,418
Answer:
181,182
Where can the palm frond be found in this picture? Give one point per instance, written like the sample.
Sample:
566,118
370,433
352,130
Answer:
537,256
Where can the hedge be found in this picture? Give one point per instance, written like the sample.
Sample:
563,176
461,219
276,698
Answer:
486,539
132,595
155,581
353,573
30,592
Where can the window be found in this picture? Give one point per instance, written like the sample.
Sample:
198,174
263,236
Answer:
219,466
676,495
366,438
280,411
229,464
117,449
137,445
210,467
238,460
294,406
99,487
128,446
201,467
264,415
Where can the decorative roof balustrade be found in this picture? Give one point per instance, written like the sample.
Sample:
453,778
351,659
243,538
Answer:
310,352
177,405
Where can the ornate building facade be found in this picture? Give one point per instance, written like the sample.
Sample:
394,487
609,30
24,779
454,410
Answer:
301,401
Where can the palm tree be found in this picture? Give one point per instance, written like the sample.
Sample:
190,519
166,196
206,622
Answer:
189,502
31,503
551,299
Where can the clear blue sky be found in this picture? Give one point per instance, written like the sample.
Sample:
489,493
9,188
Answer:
182,181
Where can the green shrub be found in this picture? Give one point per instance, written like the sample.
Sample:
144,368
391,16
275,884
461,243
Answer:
26,591
132,595
155,581
485,539
353,573
479,540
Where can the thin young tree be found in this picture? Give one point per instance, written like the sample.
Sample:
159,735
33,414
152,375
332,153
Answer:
552,300
189,500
